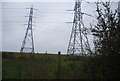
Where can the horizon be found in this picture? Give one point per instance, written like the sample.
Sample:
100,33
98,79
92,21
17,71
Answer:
49,33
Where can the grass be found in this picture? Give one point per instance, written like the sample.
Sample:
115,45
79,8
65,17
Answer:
42,66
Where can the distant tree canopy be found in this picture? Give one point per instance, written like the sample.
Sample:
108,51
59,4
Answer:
107,30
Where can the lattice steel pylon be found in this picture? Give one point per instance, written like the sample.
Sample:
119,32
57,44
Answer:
28,43
119,12
78,43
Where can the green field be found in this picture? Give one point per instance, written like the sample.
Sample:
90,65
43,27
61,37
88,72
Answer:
48,66
42,66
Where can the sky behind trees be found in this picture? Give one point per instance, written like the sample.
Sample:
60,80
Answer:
51,32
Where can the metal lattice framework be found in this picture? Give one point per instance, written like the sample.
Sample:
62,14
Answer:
78,43
28,43
119,11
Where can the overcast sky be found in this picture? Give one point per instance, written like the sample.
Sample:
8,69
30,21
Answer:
51,32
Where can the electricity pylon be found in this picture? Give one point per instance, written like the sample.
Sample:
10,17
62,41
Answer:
119,8
28,43
78,43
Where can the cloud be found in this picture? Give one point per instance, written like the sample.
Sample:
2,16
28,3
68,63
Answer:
52,0
51,32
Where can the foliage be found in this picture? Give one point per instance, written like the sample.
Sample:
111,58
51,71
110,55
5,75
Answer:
107,32
104,65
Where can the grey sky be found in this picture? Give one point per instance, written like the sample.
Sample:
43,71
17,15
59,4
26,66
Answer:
51,32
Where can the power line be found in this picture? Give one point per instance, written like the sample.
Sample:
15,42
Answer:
26,45
78,40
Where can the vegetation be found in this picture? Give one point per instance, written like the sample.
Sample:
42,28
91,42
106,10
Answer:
42,66
107,32
103,64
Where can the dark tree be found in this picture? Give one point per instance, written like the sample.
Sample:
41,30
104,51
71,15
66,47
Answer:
107,32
